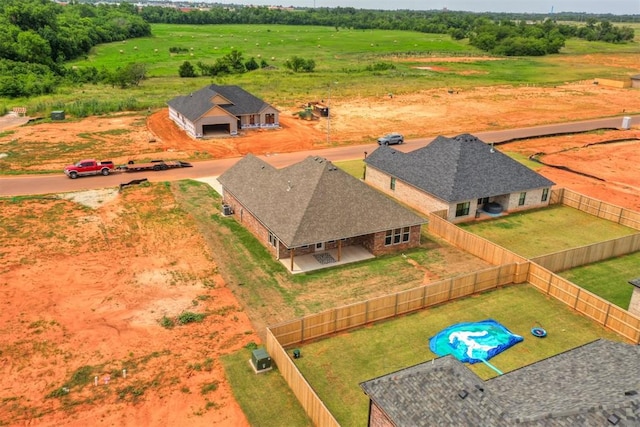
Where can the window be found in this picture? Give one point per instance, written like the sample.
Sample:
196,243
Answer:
393,183
545,194
396,236
272,239
462,209
483,200
523,196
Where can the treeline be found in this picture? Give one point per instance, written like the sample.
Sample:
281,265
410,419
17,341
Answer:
39,35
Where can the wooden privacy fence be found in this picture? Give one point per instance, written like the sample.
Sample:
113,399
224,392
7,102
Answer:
342,318
312,404
570,258
597,207
339,319
475,245
586,303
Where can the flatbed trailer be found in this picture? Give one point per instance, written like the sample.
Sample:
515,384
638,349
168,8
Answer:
154,165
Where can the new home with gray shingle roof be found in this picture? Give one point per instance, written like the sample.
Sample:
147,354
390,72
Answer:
313,207
597,384
221,110
463,176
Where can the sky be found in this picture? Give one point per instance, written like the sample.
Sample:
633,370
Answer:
616,7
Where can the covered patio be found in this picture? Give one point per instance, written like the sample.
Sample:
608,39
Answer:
326,259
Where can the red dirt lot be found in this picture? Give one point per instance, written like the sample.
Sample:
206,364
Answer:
85,280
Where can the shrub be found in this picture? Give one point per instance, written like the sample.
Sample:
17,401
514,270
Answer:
190,317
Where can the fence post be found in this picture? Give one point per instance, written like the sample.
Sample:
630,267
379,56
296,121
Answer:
424,296
366,312
302,330
395,311
575,304
606,316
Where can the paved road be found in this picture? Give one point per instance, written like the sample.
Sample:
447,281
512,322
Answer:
59,183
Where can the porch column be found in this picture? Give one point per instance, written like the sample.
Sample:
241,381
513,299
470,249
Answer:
339,249
293,252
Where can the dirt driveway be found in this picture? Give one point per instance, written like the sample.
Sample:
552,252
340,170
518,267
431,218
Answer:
86,282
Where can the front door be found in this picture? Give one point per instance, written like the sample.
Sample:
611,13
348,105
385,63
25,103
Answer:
319,246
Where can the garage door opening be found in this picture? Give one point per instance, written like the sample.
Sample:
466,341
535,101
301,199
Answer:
209,131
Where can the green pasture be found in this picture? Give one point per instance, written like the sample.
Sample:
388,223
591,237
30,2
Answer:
335,366
344,59
546,230
608,279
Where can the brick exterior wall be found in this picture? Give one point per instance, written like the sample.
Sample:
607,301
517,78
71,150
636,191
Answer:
425,203
374,243
377,418
403,192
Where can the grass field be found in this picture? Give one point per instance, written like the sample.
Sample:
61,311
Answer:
335,366
608,279
264,398
541,228
343,56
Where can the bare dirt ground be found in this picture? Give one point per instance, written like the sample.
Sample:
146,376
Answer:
90,290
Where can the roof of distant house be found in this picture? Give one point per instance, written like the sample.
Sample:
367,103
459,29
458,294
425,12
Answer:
237,101
583,386
458,169
312,201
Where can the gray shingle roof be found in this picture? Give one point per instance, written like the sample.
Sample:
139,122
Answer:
312,201
635,282
458,169
193,106
583,386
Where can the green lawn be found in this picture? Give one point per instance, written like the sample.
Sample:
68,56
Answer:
264,398
334,367
608,279
544,231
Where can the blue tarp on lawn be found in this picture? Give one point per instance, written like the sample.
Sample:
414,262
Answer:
473,342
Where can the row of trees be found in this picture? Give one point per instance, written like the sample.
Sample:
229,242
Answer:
39,35
231,63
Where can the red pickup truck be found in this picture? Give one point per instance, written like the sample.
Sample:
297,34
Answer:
89,167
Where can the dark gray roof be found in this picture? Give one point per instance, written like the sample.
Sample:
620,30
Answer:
635,282
583,386
193,106
312,201
458,169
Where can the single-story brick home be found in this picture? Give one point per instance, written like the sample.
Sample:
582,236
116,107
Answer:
313,206
463,176
592,385
221,110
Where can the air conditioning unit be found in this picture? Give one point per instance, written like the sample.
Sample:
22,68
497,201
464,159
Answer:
226,210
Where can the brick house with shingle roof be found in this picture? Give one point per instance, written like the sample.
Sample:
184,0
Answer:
597,384
221,110
461,175
312,206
